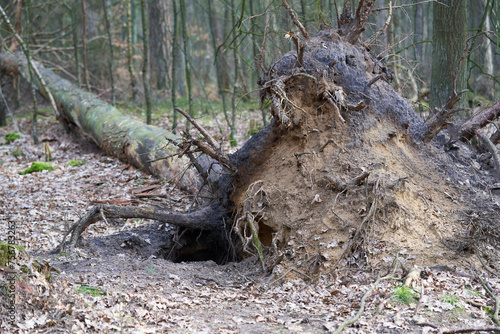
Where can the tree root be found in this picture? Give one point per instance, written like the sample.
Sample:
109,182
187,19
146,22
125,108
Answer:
203,219
492,148
439,120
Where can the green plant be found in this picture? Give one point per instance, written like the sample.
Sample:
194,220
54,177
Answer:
4,252
17,153
37,166
91,290
451,299
405,295
76,163
11,136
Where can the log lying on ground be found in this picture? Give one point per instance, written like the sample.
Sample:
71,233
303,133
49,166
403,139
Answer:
116,134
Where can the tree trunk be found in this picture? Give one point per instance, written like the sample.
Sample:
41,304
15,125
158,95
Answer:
3,108
187,58
448,44
158,29
130,50
84,47
145,64
111,53
115,133
74,21
175,53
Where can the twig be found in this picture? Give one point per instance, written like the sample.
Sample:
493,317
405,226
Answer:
204,132
458,330
494,317
295,20
366,295
375,79
492,148
422,290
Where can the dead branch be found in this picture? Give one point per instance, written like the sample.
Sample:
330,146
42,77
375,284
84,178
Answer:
375,79
211,152
494,317
351,29
202,219
458,330
492,148
365,296
468,330
204,132
468,128
295,20
439,120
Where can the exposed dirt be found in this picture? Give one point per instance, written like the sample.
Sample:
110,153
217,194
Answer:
415,198
135,292
327,232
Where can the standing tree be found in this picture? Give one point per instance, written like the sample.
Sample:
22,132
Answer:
175,53
111,54
145,66
448,44
158,24
187,58
84,46
130,51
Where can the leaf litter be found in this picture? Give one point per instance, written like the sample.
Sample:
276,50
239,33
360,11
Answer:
149,295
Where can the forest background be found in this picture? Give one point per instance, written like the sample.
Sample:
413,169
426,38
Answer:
207,56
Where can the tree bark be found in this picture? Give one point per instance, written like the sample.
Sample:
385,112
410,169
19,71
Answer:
187,58
3,108
111,54
448,44
115,133
84,47
130,51
145,66
158,30
175,53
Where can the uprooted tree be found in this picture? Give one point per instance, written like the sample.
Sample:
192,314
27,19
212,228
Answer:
345,159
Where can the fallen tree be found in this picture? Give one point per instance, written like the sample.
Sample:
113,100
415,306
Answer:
346,160
117,135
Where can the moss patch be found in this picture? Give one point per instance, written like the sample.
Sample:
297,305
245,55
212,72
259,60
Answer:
4,252
38,166
11,136
76,163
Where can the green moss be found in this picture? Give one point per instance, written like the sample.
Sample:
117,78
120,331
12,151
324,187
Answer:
4,252
91,290
76,163
11,136
37,166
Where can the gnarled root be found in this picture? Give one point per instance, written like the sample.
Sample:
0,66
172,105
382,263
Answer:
206,218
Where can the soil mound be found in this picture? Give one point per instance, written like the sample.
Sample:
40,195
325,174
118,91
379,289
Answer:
341,177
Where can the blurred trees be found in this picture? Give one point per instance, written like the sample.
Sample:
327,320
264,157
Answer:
219,48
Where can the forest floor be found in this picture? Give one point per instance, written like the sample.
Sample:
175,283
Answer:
109,286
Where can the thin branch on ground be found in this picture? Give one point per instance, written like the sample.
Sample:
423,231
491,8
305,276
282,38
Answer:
366,295
494,316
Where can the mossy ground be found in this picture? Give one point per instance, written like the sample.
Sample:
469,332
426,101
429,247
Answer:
38,166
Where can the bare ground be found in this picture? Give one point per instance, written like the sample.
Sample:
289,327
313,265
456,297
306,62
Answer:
119,282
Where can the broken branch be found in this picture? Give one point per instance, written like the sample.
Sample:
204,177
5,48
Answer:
204,132
295,20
